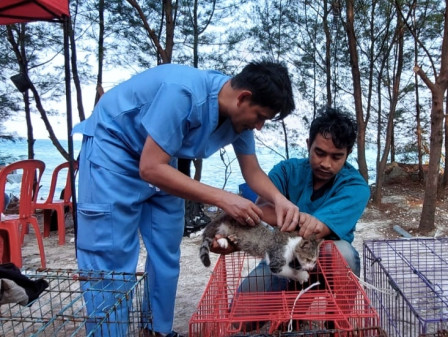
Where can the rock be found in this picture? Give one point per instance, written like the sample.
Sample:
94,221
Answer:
398,173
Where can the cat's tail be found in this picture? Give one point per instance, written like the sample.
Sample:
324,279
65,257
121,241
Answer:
204,251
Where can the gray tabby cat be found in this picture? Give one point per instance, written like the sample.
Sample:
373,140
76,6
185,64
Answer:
281,250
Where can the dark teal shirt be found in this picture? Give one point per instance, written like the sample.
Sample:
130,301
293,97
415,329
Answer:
339,207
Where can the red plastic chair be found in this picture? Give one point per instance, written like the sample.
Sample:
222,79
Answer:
16,225
58,205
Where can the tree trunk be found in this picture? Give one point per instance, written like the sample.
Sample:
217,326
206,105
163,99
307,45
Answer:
22,62
164,54
377,196
429,203
197,31
362,163
99,76
418,130
195,35
392,144
327,54
399,34
438,90
74,63
29,125
169,28
445,172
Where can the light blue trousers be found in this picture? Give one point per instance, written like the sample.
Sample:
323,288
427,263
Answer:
113,208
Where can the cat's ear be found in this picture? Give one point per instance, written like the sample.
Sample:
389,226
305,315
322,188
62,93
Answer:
320,242
313,238
306,243
303,242
311,241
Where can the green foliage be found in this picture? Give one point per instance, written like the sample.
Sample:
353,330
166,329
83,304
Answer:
40,45
127,44
228,34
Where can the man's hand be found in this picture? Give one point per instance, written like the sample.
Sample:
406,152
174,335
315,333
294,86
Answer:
241,209
287,215
310,225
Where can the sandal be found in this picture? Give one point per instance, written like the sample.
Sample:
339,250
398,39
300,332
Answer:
174,334
148,333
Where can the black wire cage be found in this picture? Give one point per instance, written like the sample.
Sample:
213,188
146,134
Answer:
410,285
81,303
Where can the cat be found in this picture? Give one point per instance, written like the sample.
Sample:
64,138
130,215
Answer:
286,253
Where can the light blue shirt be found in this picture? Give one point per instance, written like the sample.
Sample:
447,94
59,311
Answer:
176,105
340,206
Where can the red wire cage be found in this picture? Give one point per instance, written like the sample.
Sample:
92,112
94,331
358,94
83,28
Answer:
336,306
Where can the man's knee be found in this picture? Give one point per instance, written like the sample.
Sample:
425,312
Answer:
350,255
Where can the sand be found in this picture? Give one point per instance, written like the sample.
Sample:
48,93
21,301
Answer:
193,275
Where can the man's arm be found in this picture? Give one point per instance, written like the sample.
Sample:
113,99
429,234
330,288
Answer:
287,214
308,224
343,209
155,169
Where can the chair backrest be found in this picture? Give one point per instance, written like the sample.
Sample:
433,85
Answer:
31,171
67,187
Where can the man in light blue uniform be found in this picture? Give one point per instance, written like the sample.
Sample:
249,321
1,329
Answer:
330,193
128,182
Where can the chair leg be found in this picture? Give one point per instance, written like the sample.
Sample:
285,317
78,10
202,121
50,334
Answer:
60,216
15,246
24,229
40,242
61,225
47,222
4,246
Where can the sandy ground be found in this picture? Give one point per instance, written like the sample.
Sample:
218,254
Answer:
375,224
193,275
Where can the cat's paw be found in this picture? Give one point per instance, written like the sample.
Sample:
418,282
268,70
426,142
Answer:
302,276
233,238
223,243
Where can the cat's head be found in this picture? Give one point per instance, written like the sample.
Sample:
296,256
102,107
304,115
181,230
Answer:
307,252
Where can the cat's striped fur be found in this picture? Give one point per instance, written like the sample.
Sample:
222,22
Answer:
281,250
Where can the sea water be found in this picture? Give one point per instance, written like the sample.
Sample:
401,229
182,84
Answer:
11,151
221,170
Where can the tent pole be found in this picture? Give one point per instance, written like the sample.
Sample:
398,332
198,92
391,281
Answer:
68,96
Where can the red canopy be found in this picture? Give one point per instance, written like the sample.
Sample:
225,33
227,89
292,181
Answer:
17,11
13,11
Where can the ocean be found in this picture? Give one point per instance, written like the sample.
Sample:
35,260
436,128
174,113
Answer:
215,172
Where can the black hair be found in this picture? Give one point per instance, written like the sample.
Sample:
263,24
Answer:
336,123
270,85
